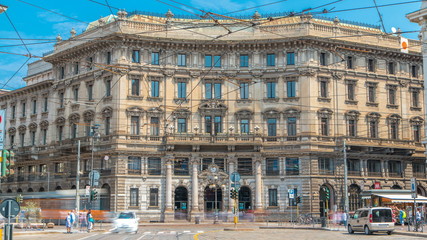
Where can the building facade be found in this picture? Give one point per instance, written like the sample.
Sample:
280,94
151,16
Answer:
167,108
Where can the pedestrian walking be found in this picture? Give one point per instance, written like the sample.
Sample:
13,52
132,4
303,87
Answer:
402,216
73,220
68,222
82,221
90,221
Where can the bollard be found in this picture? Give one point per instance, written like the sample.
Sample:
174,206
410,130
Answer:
197,220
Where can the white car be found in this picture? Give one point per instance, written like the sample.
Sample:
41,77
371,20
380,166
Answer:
126,222
369,220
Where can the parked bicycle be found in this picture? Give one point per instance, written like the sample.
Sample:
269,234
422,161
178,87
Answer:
418,227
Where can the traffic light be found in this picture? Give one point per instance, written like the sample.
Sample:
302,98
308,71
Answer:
19,198
233,194
327,193
5,164
298,199
93,195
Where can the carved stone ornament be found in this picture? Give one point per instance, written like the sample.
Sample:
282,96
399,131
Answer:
416,121
60,121
74,118
154,112
182,113
337,76
12,131
22,128
292,112
213,106
55,86
324,113
98,74
32,126
168,73
352,115
134,111
307,72
194,74
44,124
244,114
373,116
68,83
107,112
257,74
394,118
271,113
403,83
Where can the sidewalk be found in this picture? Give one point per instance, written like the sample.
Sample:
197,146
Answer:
60,229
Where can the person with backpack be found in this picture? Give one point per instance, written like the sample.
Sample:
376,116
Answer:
402,217
72,219
90,220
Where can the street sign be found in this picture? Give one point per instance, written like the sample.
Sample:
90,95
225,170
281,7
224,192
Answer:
87,190
291,193
236,186
414,195
94,177
235,177
9,208
413,184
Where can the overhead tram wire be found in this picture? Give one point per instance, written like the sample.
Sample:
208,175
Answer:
16,72
259,6
17,33
380,16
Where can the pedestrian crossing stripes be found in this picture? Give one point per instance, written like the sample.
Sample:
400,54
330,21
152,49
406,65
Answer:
172,232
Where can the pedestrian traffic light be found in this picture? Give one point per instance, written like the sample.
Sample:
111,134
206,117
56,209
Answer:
5,164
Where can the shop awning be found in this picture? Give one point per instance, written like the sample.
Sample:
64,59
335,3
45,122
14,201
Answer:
402,198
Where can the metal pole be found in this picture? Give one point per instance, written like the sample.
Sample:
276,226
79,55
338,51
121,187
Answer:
78,182
346,204
216,211
91,167
48,180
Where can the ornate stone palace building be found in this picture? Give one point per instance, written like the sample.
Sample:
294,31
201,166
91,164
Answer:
179,104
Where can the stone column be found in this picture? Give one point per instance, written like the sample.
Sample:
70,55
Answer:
362,167
195,187
258,185
168,206
230,171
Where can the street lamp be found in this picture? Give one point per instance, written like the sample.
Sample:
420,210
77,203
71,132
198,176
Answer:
97,136
3,8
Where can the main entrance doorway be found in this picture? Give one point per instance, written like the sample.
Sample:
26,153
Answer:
181,203
245,199
213,198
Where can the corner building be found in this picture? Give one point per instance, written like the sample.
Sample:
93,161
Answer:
173,100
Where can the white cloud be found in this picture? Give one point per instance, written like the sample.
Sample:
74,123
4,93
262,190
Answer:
51,17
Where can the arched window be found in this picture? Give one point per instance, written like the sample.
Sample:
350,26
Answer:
354,198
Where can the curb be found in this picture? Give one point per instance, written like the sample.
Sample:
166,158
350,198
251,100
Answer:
239,229
411,234
302,228
52,232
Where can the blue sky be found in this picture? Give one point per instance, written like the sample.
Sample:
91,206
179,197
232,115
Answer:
39,26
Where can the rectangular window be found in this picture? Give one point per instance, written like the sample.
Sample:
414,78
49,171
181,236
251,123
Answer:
323,59
244,166
371,94
107,125
350,91
76,94
395,168
271,60
373,129
73,130
12,140
326,166
182,90
44,136
90,92
292,126
208,124
13,112
34,106
352,127
292,166
391,68
108,88
59,167
155,58
182,60
76,68
419,170
61,99
208,61
324,126
353,166
371,65
155,126
155,88
271,89
217,161
90,63
415,98
62,74
182,125
244,125
213,90
394,130
134,165
291,89
350,62
290,58
24,109
60,131
33,138
272,126
134,125
244,60
154,197
108,57
154,166
135,87
324,88
244,90
417,132
218,124
181,167
217,90
213,61
272,198
392,96
134,197
217,61
272,166
135,56
45,104
414,71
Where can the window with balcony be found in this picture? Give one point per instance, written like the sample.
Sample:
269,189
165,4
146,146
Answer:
290,58
291,89
182,125
155,92
352,127
213,90
271,89
272,167
244,60
324,126
182,60
154,197
419,170
374,168
371,65
292,126
244,90
218,124
154,166
134,125
323,59
135,56
395,168
74,130
44,136
155,58
416,129
272,198
208,124
134,165
394,130
135,87
60,130
213,61
373,128
134,197
182,90
155,126
353,167
272,126
108,88
22,139
33,138
244,126
271,60
181,167
326,166
244,166
292,166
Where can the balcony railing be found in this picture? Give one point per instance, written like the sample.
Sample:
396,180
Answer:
326,172
419,174
354,173
134,171
374,174
395,174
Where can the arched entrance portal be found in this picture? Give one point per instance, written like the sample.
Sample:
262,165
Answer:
212,199
245,199
181,203
326,200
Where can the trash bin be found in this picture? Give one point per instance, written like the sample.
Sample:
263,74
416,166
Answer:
323,222
197,220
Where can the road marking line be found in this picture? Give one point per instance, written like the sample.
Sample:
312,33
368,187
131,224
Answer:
147,232
196,237
160,232
143,235
86,237
173,232
186,231
200,231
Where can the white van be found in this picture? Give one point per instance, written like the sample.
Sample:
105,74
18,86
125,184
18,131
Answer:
369,220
